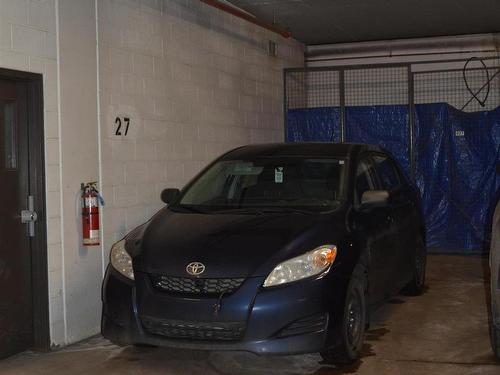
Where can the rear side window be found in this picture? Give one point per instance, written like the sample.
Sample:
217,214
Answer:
387,173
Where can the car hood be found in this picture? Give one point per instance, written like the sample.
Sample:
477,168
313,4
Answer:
229,245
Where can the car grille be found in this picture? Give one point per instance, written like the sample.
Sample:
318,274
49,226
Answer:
179,329
195,285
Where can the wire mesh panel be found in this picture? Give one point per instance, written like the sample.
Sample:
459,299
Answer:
376,86
312,89
472,88
295,90
312,105
377,109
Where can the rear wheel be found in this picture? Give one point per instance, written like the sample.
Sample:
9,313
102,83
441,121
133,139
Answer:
495,340
495,329
349,331
416,286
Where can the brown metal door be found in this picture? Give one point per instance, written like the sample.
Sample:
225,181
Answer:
16,306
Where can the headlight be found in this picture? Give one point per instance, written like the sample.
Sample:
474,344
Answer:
121,260
310,264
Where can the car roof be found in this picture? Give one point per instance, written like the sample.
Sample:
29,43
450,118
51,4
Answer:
306,149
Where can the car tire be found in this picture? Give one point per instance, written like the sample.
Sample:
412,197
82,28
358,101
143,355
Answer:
495,340
416,285
349,331
145,346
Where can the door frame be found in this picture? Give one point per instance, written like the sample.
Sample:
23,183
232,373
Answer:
38,244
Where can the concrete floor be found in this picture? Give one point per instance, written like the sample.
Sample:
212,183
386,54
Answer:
444,331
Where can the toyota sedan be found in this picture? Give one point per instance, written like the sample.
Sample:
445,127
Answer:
272,249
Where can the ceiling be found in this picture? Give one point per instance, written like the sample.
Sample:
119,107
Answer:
342,21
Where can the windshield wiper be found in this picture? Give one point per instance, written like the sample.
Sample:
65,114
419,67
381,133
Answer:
188,208
263,210
287,209
240,211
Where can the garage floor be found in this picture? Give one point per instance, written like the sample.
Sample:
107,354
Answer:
444,331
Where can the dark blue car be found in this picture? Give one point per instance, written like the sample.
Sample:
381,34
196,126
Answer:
272,249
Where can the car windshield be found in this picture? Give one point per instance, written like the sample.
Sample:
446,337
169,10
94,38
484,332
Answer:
268,183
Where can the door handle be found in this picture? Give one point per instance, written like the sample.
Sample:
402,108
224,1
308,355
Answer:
30,216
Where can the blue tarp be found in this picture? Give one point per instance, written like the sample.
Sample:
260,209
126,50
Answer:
383,125
456,152
313,124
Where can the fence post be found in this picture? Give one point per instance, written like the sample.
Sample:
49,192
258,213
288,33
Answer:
342,105
285,105
411,125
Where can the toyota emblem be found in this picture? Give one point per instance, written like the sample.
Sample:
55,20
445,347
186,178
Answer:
195,268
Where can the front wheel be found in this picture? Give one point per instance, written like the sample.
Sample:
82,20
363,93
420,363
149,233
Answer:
350,330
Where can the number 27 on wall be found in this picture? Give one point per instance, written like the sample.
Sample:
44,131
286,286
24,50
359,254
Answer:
118,123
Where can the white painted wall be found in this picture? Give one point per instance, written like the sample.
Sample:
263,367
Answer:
82,266
196,82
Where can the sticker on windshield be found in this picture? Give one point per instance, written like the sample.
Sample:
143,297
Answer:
341,162
278,175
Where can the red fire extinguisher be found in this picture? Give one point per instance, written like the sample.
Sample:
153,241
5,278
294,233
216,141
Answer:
90,214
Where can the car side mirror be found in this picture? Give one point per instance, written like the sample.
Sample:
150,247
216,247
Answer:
169,195
374,199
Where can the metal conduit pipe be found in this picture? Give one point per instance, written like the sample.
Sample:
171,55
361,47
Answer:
405,47
247,17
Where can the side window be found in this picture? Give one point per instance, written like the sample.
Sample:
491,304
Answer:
387,173
364,181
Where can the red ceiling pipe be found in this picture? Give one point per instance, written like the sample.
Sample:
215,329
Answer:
238,13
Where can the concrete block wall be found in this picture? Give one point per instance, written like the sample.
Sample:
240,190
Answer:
196,82
79,149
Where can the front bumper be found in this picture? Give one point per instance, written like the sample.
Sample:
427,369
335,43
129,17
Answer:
285,320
